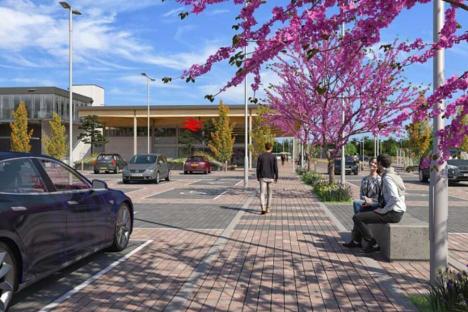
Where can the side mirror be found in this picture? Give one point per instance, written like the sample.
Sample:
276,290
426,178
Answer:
99,185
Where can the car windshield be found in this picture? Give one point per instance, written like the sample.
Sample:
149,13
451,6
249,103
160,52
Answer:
143,159
457,162
196,158
104,157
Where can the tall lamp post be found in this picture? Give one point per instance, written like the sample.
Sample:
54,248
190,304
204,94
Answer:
246,131
71,12
438,189
148,80
343,160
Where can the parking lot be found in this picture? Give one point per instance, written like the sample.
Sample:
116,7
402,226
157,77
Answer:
192,201
200,243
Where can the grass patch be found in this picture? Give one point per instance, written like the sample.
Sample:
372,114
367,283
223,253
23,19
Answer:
421,302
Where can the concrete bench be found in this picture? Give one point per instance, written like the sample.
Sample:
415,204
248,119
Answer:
406,240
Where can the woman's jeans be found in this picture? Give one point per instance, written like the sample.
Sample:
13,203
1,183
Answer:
357,206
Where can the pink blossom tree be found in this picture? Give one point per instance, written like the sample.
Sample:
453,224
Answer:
299,23
314,92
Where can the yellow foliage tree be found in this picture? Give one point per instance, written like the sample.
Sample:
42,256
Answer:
222,139
419,138
261,132
20,136
56,145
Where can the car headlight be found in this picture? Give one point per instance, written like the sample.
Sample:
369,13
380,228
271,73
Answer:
151,171
125,170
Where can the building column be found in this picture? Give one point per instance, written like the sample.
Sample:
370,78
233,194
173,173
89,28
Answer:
250,141
135,124
153,136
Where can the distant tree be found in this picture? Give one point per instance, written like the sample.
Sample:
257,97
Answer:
222,139
464,146
20,136
195,131
92,131
261,132
56,145
419,138
351,149
390,147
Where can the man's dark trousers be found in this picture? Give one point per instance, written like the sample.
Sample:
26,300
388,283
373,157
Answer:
362,219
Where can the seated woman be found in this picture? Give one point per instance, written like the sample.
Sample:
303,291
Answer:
370,190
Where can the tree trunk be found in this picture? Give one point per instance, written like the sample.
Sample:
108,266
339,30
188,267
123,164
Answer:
331,170
225,166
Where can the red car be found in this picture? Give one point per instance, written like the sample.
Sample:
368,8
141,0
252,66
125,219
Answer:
197,163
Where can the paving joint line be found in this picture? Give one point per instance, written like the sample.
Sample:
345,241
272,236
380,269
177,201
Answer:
93,278
386,282
185,293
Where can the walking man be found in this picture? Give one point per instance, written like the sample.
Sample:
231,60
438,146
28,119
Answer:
267,173
391,207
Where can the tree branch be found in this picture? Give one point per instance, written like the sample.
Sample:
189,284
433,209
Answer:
457,4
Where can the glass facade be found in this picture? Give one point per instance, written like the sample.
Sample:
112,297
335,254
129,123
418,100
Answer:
39,106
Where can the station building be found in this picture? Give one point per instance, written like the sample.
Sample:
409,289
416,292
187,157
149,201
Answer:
125,127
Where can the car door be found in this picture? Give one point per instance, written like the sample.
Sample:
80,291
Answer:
36,216
88,213
162,166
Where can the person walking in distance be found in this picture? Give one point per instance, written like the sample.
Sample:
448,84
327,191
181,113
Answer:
267,173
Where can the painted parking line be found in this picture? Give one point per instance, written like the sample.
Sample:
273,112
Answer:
93,278
160,192
220,195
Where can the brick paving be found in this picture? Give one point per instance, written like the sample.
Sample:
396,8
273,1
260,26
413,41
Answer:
288,260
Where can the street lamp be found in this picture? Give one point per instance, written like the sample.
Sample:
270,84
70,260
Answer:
148,80
438,189
343,160
71,12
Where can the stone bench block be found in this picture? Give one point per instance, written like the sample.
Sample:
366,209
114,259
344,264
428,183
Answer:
406,240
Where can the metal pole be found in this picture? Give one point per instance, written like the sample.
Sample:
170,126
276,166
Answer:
246,132
293,155
343,160
148,113
302,155
70,83
438,189
250,141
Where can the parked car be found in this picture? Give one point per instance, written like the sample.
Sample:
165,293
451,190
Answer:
146,167
109,163
197,163
351,166
457,170
52,216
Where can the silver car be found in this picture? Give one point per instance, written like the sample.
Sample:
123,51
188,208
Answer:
146,167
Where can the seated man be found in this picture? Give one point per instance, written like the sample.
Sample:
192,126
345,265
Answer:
370,190
392,207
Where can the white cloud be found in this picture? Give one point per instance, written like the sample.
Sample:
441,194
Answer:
173,12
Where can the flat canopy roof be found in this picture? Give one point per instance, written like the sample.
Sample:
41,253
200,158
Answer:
167,115
166,107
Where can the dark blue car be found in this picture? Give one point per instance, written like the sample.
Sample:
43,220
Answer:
52,216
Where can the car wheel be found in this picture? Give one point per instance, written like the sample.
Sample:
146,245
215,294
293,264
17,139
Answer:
116,170
123,227
205,172
168,178
185,172
96,171
125,181
8,276
157,180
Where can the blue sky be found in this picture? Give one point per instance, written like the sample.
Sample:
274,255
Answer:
116,40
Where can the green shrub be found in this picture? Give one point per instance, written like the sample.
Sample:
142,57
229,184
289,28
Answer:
87,160
332,192
451,292
300,171
311,178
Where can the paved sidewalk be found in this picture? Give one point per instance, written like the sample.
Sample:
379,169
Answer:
290,259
